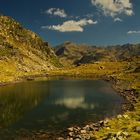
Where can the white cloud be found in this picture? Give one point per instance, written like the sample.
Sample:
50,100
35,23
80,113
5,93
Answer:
133,32
71,25
56,12
118,19
114,7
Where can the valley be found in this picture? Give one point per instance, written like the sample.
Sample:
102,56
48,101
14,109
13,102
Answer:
25,57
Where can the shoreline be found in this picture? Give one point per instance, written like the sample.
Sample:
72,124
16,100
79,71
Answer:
128,94
83,132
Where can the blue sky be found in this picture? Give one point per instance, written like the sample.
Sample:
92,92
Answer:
95,22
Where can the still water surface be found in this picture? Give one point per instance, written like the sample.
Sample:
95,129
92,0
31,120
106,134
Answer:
56,104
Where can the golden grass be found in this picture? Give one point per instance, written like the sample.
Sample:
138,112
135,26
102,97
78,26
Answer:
119,70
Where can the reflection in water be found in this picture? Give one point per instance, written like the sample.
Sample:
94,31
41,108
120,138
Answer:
56,104
73,98
74,103
16,100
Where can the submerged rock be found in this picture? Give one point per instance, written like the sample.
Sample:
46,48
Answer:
71,129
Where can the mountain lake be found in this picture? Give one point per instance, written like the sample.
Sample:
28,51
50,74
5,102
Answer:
56,104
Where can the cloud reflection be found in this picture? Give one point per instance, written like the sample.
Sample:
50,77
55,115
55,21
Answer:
74,103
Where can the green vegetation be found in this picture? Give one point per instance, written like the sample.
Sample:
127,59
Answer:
127,123
22,52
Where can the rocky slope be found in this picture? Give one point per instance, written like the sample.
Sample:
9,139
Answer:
71,53
22,52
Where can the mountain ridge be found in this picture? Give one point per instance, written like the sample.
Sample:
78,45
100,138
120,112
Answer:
73,54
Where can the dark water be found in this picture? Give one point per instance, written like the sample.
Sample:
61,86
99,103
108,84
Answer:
56,104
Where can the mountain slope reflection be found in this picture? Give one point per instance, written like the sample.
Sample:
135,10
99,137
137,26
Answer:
56,104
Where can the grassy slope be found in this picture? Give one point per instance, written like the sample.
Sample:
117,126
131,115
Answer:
122,71
22,52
